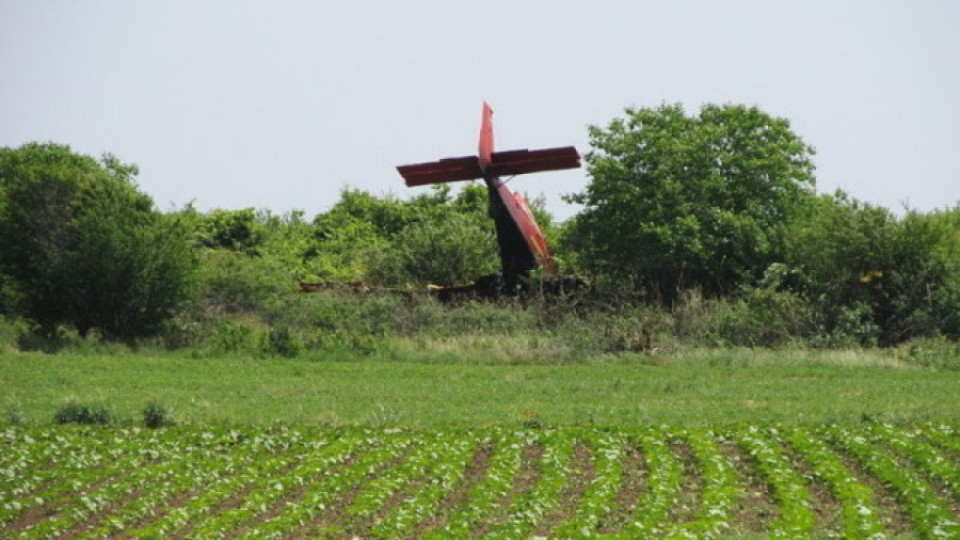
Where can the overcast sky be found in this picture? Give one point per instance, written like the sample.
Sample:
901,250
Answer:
281,104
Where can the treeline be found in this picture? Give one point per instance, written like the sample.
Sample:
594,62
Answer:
702,229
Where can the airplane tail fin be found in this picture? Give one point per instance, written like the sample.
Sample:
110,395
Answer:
486,137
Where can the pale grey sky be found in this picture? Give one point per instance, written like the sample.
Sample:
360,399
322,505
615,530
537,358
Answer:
280,104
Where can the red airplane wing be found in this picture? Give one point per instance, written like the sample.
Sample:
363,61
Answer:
501,164
530,161
445,170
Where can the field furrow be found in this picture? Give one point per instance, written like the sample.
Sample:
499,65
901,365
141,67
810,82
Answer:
871,481
929,513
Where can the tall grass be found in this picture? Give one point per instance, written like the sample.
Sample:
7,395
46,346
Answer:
522,330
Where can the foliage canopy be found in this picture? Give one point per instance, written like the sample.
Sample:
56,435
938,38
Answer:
877,278
678,201
82,246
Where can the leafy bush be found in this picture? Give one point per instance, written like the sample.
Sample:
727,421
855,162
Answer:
83,247
355,313
875,278
692,316
66,337
486,318
634,331
74,412
453,251
156,415
922,290
852,326
236,230
762,317
282,341
184,330
935,353
12,332
434,237
360,224
229,336
235,282
13,413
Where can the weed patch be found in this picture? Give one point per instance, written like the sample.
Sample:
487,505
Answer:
74,412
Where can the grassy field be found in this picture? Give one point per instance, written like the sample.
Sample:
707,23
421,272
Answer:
411,389
463,440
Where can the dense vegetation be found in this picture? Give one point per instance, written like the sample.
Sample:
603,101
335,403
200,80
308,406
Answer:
701,230
83,247
677,202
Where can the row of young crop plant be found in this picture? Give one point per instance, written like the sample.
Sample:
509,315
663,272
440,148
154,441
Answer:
98,482
86,482
930,513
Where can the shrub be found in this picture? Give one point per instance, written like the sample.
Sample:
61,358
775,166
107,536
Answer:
182,331
83,247
876,278
236,230
636,332
692,315
678,201
237,282
73,412
14,414
480,318
762,317
853,326
936,353
283,342
452,251
921,292
155,415
12,332
232,337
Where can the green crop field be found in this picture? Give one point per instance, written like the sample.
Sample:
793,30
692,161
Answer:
707,443
784,481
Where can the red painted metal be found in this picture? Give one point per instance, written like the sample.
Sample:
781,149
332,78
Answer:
523,217
501,164
445,170
485,147
530,161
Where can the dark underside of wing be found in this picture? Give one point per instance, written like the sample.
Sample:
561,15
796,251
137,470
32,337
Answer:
501,164
445,170
530,161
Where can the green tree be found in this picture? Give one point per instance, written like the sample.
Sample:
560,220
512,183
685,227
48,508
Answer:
237,230
82,246
679,201
288,238
877,279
